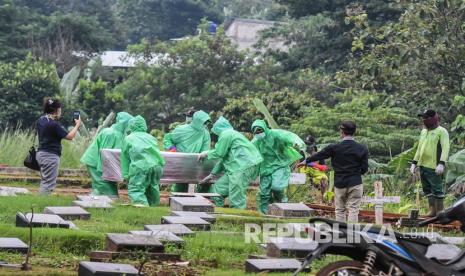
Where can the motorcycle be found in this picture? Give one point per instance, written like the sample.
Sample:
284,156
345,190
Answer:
375,253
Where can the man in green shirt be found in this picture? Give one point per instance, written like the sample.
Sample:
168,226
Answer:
109,138
192,137
238,158
431,157
142,164
278,149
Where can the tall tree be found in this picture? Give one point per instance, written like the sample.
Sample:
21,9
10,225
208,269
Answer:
330,51
163,19
15,25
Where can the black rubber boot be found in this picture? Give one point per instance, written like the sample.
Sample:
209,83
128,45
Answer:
439,204
432,206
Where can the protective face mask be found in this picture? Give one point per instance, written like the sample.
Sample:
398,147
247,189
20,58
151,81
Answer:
260,136
188,119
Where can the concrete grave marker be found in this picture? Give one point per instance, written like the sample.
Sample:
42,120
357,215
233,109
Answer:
95,268
164,237
271,265
194,223
93,204
68,213
206,195
13,190
289,210
94,198
191,204
177,229
129,242
42,220
201,215
286,247
7,193
13,245
379,200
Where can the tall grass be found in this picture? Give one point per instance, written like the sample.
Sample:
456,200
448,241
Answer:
15,144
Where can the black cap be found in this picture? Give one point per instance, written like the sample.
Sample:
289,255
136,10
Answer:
190,112
427,114
309,140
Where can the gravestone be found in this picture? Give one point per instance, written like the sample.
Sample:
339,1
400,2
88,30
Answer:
94,198
7,193
191,204
68,213
379,200
205,195
194,223
129,242
442,252
289,210
13,245
286,247
271,265
96,268
42,220
93,204
177,229
164,237
12,191
201,215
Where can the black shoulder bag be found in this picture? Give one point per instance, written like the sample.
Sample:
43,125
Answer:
31,161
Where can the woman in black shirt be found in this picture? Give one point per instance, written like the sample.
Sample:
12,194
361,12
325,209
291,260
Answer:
50,134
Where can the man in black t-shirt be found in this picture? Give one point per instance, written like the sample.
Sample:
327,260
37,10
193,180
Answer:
349,160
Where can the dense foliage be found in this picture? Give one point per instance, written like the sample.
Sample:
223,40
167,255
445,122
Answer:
23,86
363,60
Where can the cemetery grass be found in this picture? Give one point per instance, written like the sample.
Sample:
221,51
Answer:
58,251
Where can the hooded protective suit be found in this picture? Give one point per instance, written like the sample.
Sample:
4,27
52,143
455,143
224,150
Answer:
142,164
239,160
277,148
109,138
191,138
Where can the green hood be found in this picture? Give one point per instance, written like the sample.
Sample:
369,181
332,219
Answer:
137,124
221,125
199,119
122,121
261,124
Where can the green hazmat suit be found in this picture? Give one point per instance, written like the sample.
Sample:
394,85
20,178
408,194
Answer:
109,138
277,148
193,137
238,159
142,164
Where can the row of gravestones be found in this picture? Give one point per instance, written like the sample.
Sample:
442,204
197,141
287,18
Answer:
188,213
283,253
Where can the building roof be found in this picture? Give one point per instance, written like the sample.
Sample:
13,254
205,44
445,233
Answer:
120,59
245,33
